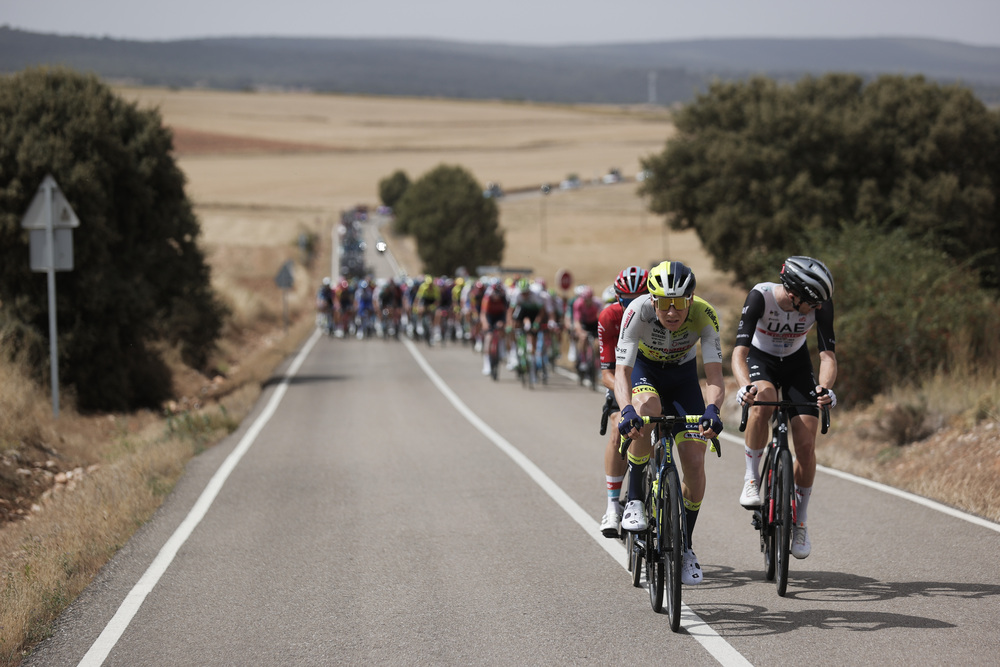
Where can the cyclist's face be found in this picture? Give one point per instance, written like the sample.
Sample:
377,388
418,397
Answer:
803,307
672,319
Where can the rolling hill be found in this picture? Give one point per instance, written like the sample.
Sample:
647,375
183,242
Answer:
662,72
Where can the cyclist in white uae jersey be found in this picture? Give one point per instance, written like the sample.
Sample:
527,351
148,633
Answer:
771,354
656,372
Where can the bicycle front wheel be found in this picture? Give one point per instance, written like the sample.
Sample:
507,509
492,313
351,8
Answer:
673,546
768,517
634,558
655,541
783,519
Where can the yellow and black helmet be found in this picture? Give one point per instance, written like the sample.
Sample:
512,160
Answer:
671,280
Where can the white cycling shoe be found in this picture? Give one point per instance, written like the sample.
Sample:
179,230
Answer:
750,498
634,518
801,547
611,523
690,569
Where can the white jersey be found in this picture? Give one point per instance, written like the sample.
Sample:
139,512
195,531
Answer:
775,331
642,333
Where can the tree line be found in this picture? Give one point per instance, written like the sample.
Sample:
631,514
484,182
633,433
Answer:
895,183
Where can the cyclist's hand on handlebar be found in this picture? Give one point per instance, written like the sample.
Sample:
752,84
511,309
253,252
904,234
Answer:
745,395
630,421
711,423
825,397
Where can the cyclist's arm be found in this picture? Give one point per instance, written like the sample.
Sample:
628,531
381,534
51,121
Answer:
753,310
715,387
827,373
741,371
623,385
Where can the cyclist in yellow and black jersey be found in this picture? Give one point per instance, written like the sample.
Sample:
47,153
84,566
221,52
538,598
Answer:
656,372
427,298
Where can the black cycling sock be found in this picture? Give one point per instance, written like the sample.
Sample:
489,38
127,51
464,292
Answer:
691,514
636,473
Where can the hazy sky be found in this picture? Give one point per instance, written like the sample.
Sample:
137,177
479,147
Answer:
512,21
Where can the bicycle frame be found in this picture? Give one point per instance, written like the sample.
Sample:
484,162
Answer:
776,516
666,539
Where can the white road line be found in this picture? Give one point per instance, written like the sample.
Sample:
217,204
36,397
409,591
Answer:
912,497
98,653
710,640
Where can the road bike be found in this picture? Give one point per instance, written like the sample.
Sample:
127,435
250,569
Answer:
588,362
493,352
775,518
662,545
541,352
526,370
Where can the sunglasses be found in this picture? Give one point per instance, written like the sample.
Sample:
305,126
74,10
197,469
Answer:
795,305
678,302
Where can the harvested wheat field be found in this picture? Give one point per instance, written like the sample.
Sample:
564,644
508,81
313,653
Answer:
262,167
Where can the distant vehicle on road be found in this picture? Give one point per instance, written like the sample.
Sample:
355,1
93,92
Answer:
571,182
493,190
613,176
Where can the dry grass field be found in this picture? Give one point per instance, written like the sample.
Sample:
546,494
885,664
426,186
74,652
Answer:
264,168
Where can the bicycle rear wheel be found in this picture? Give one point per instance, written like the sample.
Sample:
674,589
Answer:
783,519
494,355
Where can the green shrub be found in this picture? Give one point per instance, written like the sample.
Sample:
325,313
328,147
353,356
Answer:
139,277
904,310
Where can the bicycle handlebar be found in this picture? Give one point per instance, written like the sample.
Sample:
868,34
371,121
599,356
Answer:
609,402
781,405
670,420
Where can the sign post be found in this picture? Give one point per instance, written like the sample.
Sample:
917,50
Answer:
50,221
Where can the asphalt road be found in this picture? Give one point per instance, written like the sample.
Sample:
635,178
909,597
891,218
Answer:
387,504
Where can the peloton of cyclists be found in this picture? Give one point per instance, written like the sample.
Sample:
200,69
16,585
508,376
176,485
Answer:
771,354
657,373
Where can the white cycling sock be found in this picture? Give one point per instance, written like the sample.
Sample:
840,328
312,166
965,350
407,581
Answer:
753,463
614,485
802,494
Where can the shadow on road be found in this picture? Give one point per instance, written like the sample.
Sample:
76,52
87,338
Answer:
742,620
837,587
303,379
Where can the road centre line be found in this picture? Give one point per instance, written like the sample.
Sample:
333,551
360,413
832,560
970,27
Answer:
102,647
700,630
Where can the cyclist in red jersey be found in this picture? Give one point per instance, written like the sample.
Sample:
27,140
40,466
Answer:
492,314
586,309
629,284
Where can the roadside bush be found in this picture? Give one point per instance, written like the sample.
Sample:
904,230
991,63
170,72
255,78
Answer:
453,224
756,166
392,188
905,310
139,278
